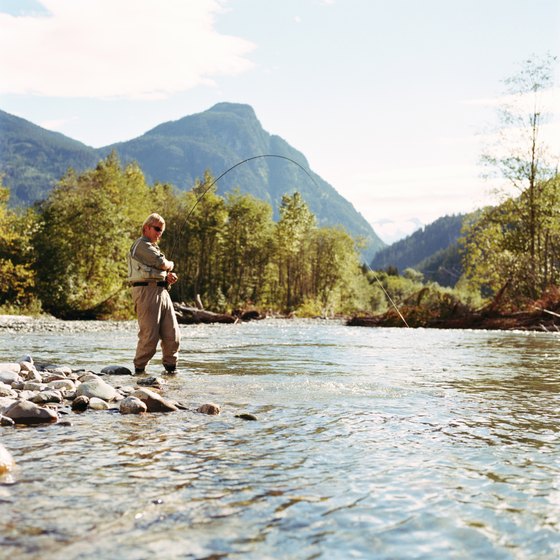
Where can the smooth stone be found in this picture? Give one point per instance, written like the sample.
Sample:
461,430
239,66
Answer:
10,377
26,394
62,385
132,405
154,402
97,388
26,359
7,391
5,421
95,403
209,408
246,416
116,370
80,403
44,397
10,366
5,403
152,381
34,386
88,376
26,412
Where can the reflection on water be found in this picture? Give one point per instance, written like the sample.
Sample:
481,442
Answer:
370,443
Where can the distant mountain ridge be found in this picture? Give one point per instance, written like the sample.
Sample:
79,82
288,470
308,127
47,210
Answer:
433,250
33,160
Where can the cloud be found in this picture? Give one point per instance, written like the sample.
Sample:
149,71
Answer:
127,48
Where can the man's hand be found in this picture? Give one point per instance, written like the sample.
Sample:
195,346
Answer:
171,278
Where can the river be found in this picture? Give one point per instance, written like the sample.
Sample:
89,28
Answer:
369,443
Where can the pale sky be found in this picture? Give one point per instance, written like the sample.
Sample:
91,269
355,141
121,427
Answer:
389,100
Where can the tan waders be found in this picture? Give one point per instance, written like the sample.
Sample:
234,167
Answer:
156,321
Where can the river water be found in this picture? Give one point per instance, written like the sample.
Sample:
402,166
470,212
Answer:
369,443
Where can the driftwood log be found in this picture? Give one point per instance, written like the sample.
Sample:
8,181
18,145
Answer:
193,315
187,315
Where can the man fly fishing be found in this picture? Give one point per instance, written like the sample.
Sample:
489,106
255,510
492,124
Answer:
149,275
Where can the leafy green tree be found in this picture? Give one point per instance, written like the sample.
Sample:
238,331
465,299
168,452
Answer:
521,157
292,243
334,264
17,278
197,246
246,249
88,223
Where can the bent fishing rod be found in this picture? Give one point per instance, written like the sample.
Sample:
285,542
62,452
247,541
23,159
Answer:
246,160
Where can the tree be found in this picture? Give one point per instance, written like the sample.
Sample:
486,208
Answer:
17,279
88,223
292,241
520,156
246,248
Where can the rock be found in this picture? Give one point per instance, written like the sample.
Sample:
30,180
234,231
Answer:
27,360
34,386
151,381
116,370
209,408
9,377
7,391
31,375
132,405
87,376
80,403
26,412
97,388
5,421
44,397
246,416
62,385
7,463
5,403
95,403
10,366
153,401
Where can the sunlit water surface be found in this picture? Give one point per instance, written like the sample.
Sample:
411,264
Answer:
369,443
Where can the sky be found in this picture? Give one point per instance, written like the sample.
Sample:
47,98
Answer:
391,101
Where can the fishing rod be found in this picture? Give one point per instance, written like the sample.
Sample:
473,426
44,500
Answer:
207,189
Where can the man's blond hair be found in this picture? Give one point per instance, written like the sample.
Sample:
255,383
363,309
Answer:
153,219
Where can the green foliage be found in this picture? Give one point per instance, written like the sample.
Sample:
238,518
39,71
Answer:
17,279
505,246
87,226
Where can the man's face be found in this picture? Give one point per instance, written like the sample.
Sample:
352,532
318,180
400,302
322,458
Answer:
154,232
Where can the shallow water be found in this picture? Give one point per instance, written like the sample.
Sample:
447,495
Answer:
370,443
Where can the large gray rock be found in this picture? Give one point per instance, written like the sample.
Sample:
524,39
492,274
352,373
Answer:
97,388
26,412
153,401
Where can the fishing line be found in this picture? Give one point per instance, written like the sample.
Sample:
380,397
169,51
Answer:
388,296
205,191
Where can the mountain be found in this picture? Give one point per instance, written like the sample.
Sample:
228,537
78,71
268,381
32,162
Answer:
33,159
178,152
433,250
